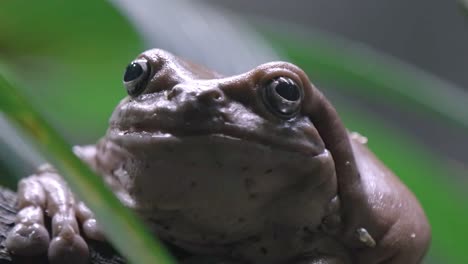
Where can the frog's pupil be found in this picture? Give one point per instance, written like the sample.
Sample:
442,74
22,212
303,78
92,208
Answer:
133,71
287,90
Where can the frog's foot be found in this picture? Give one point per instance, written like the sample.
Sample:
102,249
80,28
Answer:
47,192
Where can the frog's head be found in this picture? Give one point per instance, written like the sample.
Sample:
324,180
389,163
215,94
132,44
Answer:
171,99
223,147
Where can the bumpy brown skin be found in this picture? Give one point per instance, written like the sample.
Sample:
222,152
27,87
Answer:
214,170
372,197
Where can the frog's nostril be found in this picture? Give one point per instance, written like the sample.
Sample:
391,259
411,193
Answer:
212,95
174,92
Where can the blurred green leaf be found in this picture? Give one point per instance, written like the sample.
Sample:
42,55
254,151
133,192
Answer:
6,178
464,5
89,187
73,54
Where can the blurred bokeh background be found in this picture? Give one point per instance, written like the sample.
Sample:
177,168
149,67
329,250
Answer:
395,70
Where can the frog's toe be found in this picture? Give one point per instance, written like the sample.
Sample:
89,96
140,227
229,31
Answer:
68,247
91,230
89,225
27,239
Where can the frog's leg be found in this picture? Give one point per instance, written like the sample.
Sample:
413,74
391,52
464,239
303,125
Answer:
29,236
393,227
47,192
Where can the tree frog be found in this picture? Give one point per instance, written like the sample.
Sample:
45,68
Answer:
252,168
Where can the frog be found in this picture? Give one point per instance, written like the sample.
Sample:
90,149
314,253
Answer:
252,168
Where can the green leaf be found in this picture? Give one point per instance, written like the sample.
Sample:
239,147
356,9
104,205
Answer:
72,54
89,187
464,6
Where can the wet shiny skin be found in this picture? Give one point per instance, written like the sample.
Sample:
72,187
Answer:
228,172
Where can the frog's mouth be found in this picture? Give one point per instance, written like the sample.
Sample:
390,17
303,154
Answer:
133,136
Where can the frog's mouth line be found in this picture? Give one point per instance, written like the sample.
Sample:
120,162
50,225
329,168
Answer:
132,136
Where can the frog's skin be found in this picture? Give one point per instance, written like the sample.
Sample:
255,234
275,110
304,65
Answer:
230,171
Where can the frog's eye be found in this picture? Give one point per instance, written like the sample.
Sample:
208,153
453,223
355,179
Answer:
283,97
136,76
